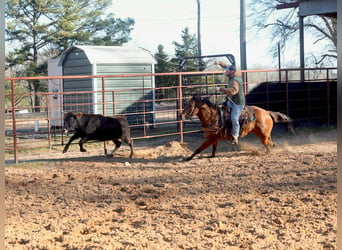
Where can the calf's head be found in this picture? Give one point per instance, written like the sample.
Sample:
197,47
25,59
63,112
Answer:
71,122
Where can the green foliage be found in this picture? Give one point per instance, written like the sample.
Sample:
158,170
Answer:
188,48
38,27
20,88
189,45
112,31
163,66
44,28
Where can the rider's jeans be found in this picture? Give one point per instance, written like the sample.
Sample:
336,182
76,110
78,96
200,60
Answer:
235,112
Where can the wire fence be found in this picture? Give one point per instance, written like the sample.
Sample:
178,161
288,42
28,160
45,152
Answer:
35,120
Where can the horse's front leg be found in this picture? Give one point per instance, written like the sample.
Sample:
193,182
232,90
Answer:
214,149
204,145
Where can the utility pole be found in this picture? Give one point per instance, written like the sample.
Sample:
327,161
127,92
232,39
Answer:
301,47
279,62
243,56
199,35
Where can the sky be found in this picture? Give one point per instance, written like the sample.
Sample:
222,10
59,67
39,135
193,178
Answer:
161,22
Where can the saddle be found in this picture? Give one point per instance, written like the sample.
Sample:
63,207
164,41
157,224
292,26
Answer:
247,116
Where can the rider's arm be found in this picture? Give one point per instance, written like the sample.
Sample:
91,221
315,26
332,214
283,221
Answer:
231,90
222,64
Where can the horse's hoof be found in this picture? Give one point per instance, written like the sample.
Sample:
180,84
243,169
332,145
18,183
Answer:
187,159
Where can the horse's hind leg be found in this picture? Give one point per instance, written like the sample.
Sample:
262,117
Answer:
265,140
270,142
204,145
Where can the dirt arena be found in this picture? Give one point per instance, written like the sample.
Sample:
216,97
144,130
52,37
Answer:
238,200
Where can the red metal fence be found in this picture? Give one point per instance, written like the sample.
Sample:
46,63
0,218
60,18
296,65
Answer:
34,120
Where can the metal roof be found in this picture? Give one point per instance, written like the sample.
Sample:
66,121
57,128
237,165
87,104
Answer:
317,7
312,7
112,55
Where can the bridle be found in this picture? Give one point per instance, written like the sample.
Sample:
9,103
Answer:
190,114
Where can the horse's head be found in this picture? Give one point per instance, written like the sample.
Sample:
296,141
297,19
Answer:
192,107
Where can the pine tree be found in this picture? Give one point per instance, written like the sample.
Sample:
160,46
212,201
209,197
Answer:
41,28
163,66
189,48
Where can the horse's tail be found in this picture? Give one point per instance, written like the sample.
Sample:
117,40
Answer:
280,117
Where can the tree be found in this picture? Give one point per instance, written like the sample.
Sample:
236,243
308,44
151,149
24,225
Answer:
324,28
163,66
41,27
57,24
189,48
284,24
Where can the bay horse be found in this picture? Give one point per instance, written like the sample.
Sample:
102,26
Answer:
214,131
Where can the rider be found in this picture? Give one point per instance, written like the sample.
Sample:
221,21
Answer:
235,97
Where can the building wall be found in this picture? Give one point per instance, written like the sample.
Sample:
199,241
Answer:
137,89
77,63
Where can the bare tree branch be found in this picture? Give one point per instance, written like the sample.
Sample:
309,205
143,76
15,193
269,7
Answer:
283,24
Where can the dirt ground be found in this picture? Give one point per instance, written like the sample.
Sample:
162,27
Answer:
239,200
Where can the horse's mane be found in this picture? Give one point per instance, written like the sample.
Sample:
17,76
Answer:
208,102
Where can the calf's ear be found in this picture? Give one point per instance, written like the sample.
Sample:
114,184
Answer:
79,115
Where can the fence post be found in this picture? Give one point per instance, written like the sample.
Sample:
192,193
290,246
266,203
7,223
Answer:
47,100
180,98
113,99
103,97
287,93
103,105
144,107
244,74
61,97
14,123
328,97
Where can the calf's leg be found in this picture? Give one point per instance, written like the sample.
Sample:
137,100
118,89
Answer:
130,143
117,144
72,138
81,142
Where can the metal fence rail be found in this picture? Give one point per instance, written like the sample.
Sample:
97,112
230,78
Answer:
35,120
